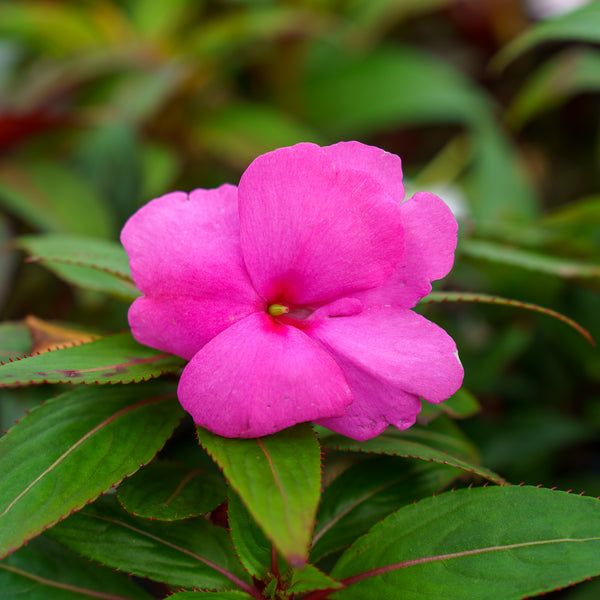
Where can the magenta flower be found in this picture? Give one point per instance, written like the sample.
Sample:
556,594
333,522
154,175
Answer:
290,295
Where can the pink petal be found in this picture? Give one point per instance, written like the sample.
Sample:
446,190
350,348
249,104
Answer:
390,356
259,377
385,167
185,256
430,240
311,231
182,325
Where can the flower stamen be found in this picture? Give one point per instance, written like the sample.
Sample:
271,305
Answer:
276,310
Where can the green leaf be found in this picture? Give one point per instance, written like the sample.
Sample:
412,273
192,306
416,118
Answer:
240,132
16,340
571,72
251,545
348,93
581,25
369,491
69,450
460,405
169,491
278,479
415,442
307,579
89,263
228,595
45,570
499,542
112,359
525,259
53,198
191,553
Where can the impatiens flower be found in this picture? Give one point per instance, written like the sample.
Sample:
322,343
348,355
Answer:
290,295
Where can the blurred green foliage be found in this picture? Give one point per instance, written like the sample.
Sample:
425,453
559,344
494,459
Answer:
105,104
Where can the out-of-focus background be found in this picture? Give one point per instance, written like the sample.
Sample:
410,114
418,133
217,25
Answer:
494,105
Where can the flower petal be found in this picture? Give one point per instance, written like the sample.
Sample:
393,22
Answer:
311,231
405,356
430,240
258,377
182,325
185,256
385,167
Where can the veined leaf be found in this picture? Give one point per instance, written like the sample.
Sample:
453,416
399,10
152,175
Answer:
113,359
278,478
497,542
193,553
46,570
369,491
413,443
168,491
228,595
89,263
251,545
69,450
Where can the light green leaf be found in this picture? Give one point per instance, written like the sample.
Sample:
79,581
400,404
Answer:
498,542
89,263
15,340
241,132
581,25
45,570
69,450
278,478
526,259
112,359
191,553
53,198
168,491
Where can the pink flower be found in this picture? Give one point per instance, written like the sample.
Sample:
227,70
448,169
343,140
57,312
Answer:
290,295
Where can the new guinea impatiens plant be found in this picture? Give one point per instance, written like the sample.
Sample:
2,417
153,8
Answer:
290,294
298,470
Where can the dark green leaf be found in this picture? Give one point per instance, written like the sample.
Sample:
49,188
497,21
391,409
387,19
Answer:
251,545
113,359
307,579
169,491
53,198
369,491
416,442
572,72
498,542
89,263
74,447
278,479
459,406
191,553
228,595
45,570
